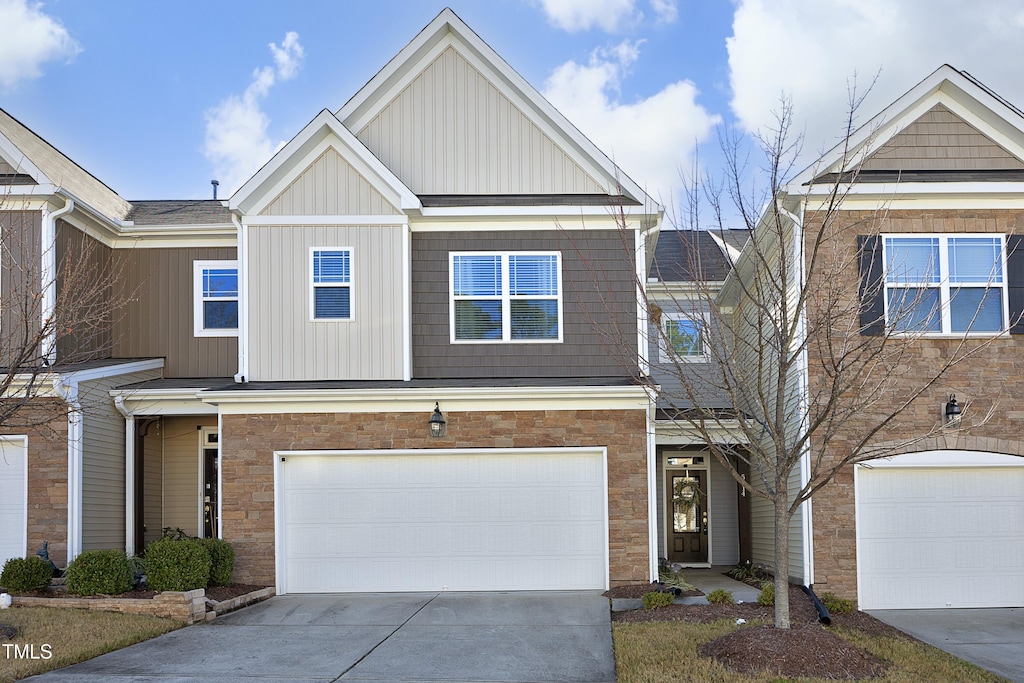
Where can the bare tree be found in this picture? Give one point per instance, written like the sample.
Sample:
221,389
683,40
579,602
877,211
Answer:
813,375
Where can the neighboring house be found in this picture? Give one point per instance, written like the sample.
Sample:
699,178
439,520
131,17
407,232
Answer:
423,254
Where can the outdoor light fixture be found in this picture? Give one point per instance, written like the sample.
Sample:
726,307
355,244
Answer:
437,422
952,414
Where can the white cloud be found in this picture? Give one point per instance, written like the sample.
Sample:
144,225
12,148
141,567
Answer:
650,138
237,143
30,38
610,16
812,49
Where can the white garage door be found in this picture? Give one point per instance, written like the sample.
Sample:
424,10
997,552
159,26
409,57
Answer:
432,521
940,537
12,499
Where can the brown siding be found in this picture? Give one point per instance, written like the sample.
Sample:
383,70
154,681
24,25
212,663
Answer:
47,474
20,232
158,321
599,289
992,378
249,441
941,141
77,251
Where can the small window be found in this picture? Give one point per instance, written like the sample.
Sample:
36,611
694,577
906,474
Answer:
505,297
331,287
945,284
684,339
215,284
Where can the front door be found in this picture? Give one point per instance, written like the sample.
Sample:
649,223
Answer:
210,493
687,516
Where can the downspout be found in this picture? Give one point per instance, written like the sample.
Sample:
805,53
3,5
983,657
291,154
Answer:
803,384
242,256
48,277
652,482
643,355
407,301
68,391
129,475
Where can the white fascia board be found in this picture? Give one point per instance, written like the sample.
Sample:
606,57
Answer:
15,158
142,402
448,30
114,370
421,399
302,150
680,433
905,190
484,223
383,219
554,211
658,290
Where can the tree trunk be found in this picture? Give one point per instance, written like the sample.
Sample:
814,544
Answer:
781,556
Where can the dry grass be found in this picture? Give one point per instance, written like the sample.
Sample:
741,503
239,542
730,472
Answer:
73,636
657,652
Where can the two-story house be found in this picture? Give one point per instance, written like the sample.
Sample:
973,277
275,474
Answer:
374,366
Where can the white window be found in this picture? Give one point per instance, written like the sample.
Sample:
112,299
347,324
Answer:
684,339
330,296
506,297
215,287
945,284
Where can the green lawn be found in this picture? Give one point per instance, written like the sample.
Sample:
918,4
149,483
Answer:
69,636
666,651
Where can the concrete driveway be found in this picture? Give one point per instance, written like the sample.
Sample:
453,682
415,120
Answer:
991,638
549,636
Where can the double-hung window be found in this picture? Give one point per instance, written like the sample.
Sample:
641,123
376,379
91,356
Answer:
506,297
215,285
684,340
330,283
945,284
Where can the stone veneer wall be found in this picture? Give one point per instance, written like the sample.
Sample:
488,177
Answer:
991,379
249,441
47,475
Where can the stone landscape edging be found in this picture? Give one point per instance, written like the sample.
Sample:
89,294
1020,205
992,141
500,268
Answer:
185,606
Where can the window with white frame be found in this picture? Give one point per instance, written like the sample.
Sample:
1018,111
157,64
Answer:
945,284
506,297
215,285
331,283
684,339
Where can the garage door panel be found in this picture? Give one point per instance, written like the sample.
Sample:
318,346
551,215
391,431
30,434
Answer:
938,537
12,499
474,521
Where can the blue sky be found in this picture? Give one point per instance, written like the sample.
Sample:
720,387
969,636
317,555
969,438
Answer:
158,98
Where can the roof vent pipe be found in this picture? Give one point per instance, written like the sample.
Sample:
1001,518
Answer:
215,184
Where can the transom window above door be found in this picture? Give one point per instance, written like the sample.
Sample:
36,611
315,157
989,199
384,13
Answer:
506,297
215,284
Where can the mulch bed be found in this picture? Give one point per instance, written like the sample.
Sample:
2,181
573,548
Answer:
807,649
638,590
216,593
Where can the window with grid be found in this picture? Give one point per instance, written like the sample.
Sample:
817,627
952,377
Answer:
945,284
331,285
506,297
215,284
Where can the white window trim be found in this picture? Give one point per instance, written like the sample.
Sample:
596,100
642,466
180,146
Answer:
663,352
943,285
350,286
199,330
505,297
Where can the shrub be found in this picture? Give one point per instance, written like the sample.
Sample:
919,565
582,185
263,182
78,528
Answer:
767,595
836,605
24,574
720,597
654,600
100,572
222,558
177,565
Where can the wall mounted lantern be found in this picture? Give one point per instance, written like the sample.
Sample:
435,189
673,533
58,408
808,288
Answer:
951,418
437,423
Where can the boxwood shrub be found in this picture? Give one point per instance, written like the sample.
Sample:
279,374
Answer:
25,574
177,565
222,557
100,572
654,600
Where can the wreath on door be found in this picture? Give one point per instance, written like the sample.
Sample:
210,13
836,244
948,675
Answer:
687,495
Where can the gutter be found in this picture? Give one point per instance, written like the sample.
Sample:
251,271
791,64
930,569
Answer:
48,277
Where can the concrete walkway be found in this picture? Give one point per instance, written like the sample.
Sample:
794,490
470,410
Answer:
991,638
557,637
704,579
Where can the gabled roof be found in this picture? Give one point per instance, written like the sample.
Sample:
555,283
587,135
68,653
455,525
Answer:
688,255
919,137
447,31
323,132
34,161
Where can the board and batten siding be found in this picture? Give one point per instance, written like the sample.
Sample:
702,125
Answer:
157,321
598,289
19,265
330,186
452,131
182,440
103,465
78,250
286,344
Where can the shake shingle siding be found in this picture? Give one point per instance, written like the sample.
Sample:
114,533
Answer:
598,289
